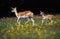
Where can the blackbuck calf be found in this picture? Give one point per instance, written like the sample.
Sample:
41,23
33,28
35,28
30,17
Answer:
24,14
47,17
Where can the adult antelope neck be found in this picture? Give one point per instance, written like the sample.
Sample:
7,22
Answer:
15,11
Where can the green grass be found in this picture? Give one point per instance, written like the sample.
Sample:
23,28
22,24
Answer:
9,29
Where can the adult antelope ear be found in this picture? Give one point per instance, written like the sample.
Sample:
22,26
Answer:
15,7
12,8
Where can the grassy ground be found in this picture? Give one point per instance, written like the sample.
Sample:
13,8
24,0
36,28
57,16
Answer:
9,29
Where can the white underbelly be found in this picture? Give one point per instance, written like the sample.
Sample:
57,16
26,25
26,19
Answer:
22,16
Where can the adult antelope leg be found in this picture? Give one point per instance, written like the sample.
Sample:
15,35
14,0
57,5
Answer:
18,20
27,20
32,21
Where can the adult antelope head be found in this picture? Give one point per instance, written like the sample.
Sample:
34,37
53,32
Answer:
24,14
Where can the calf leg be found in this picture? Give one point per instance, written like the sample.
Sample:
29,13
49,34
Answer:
42,21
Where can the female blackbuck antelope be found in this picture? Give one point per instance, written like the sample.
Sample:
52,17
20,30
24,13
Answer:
47,17
25,14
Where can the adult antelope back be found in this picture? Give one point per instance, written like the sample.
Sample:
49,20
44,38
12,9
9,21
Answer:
24,14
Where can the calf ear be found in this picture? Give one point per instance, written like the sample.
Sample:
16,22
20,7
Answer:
40,11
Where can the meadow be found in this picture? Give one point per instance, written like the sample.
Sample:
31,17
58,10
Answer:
9,29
